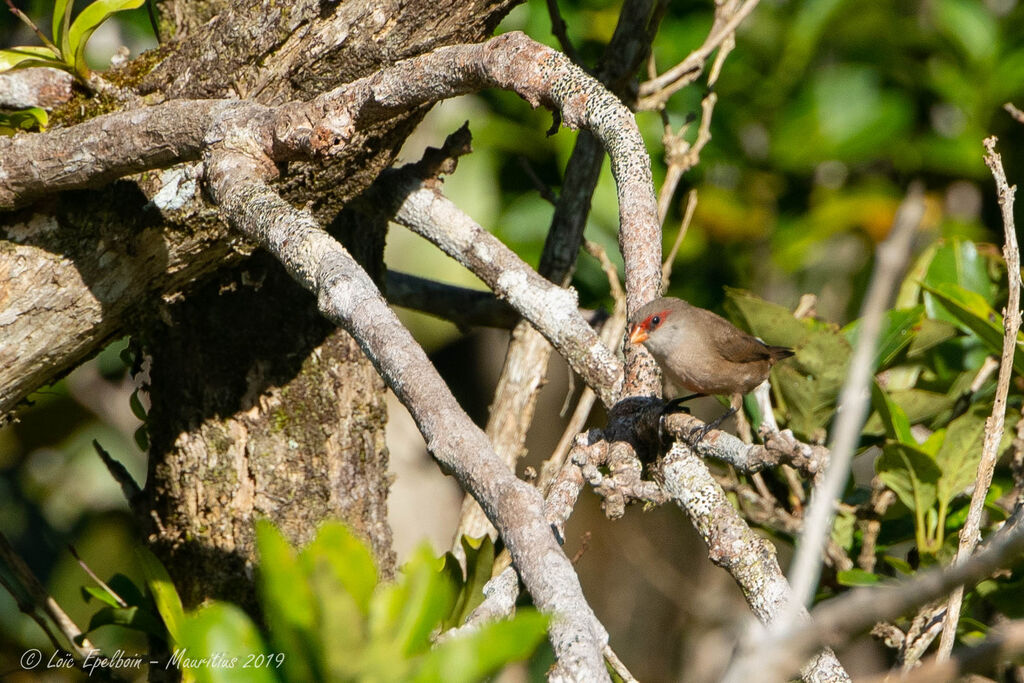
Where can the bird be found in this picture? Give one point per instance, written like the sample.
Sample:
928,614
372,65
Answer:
701,352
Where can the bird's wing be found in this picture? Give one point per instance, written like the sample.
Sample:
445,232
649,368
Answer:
732,343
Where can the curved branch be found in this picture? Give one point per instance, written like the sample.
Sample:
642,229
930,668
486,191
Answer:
553,311
346,295
734,546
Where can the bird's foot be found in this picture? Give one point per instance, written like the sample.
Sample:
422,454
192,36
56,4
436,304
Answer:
697,434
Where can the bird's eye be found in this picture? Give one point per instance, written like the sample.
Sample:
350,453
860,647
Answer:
655,321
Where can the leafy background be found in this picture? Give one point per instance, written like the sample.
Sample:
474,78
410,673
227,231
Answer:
827,110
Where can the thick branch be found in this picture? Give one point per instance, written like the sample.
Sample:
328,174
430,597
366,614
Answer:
733,545
347,296
553,311
461,305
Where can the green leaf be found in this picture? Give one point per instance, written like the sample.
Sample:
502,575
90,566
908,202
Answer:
27,56
142,438
165,595
349,559
289,606
480,654
930,334
135,403
974,314
899,564
23,120
479,553
960,453
843,528
88,21
1006,596
896,334
427,601
769,321
218,641
911,474
857,577
61,23
970,25
134,617
921,405
897,425
956,262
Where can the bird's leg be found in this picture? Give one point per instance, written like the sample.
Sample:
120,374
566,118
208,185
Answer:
676,404
698,434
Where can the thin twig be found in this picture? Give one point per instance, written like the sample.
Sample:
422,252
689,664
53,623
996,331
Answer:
35,29
1016,113
835,621
1004,642
559,30
617,666
853,401
78,643
686,71
129,489
542,188
92,575
684,226
971,531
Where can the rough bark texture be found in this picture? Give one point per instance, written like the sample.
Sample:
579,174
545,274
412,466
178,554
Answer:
109,281
260,407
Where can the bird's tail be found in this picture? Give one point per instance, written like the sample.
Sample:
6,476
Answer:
777,353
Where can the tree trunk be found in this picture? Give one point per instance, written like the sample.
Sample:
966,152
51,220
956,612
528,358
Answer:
260,408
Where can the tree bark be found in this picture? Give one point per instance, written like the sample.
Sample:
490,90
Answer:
259,406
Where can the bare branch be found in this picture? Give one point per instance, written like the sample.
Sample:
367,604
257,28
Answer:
779,448
853,401
691,206
1013,111
347,296
526,361
971,531
734,546
461,305
559,29
37,87
40,601
1004,642
834,622
687,71
551,309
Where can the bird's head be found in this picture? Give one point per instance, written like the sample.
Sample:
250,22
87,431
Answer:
640,331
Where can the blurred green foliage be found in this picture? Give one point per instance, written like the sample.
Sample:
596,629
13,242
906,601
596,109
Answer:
328,617
924,436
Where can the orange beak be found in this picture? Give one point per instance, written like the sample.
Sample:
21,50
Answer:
637,335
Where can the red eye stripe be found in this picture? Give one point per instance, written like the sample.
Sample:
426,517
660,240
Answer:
654,320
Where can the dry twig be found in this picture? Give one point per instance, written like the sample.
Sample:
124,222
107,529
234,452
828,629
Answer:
971,531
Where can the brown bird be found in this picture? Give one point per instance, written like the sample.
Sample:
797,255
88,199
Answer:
702,352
